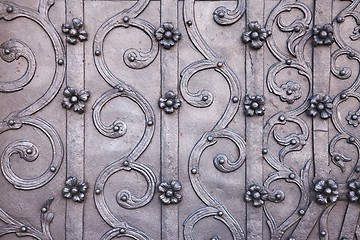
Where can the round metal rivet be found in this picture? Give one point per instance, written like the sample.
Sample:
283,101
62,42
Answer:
297,29
301,211
132,58
11,122
7,51
210,138
288,62
204,98
194,171
9,9
343,96
352,54
322,233
340,19
60,62
282,118
150,123
292,238
264,151
235,99
29,151
126,163
44,210
121,89
116,128
351,139
23,229
342,72
124,198
220,213
98,191
97,52
291,175
221,161
122,230
220,64
189,22
126,19
53,169
357,169
293,141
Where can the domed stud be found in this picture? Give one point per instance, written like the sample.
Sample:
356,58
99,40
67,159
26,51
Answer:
97,53
288,62
122,230
194,171
23,229
44,210
235,99
150,123
126,19
7,51
189,22
97,191
60,62
220,64
264,151
126,163
9,9
52,169
282,118
301,212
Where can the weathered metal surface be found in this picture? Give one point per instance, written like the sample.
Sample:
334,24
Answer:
179,119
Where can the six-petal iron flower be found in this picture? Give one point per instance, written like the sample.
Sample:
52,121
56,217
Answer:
74,190
167,35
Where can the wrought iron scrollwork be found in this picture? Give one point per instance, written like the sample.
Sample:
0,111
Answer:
23,229
136,59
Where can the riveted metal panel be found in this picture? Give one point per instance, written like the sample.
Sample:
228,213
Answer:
179,119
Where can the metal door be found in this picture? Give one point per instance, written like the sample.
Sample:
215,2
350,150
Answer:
179,119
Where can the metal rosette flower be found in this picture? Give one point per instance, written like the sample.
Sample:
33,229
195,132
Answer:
320,104
353,118
257,195
254,105
170,102
354,193
74,31
326,191
167,35
323,35
256,35
74,190
170,192
291,92
75,99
